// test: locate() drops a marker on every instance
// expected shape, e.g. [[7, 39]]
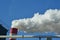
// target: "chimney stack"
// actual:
[[13, 31]]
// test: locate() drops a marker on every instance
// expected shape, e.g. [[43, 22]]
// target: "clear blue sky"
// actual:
[[17, 9]]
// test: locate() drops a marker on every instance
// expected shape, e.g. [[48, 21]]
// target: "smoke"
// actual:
[[47, 22]]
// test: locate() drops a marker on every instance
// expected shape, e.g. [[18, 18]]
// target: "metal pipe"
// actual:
[[27, 36]]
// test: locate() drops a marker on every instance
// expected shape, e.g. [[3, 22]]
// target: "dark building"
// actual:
[[3, 31]]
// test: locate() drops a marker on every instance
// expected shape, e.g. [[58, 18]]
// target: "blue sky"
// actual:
[[17, 9]]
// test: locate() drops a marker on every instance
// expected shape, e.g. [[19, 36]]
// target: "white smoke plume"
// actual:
[[47, 22]]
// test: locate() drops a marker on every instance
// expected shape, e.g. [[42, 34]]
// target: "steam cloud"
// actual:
[[47, 22]]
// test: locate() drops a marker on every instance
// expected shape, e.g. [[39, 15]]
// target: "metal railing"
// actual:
[[30, 36]]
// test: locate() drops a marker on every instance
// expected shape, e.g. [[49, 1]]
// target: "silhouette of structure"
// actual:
[[49, 38], [3, 31]]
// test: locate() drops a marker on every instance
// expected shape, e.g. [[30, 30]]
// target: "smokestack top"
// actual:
[[13, 30]]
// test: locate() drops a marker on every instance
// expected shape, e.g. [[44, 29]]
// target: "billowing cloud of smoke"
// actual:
[[47, 22]]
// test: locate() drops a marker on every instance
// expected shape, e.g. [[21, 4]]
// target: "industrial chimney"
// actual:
[[13, 31]]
